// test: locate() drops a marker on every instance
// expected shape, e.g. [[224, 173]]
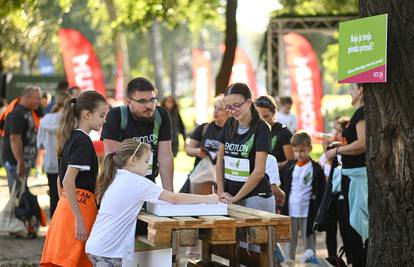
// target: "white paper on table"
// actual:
[[162, 208]]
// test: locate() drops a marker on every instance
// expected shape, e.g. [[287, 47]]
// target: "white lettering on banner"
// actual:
[[83, 72], [201, 94], [305, 91], [239, 74]]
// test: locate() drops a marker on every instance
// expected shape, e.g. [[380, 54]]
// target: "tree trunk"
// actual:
[[173, 66], [120, 43], [223, 77], [389, 114], [156, 55]]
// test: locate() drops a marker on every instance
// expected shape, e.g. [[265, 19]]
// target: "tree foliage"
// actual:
[[318, 7], [26, 28], [329, 58]]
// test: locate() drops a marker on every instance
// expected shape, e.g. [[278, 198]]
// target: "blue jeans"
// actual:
[[12, 177]]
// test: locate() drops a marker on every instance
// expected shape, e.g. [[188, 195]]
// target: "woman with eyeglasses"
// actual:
[[281, 147], [245, 143]]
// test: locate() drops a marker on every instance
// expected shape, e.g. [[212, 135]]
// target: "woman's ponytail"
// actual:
[[68, 123]]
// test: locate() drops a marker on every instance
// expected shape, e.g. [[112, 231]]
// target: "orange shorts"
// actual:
[[61, 248]]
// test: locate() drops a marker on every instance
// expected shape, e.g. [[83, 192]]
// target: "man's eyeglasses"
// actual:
[[150, 101], [235, 107]]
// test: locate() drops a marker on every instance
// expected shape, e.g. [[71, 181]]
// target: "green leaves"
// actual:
[[317, 7]]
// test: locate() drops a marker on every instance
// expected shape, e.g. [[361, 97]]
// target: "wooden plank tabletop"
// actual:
[[238, 216]]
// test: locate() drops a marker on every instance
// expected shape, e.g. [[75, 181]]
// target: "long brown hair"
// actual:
[[116, 160], [88, 100]]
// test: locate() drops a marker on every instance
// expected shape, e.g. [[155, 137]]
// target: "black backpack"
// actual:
[[28, 210]]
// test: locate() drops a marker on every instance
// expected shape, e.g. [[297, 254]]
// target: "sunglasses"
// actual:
[[235, 107], [264, 103], [142, 101]]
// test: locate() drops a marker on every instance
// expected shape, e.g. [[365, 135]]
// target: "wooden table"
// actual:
[[218, 234]]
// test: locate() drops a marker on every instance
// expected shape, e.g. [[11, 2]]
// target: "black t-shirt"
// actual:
[[280, 137], [79, 152], [350, 134], [236, 147], [140, 129], [20, 121], [209, 141]]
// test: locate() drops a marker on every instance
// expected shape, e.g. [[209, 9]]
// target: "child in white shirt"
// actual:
[[121, 192], [303, 182]]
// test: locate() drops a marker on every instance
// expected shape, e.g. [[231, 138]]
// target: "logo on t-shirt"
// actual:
[[148, 139], [236, 147], [307, 178], [213, 144]]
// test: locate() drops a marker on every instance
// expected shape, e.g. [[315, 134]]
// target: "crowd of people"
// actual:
[[250, 154]]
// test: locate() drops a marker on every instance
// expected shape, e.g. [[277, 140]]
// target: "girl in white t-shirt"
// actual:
[[121, 192]]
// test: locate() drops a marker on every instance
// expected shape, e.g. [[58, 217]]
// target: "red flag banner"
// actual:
[[201, 66], [305, 82], [81, 64], [242, 70]]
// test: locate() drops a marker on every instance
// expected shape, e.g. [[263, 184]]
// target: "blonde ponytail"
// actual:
[[106, 176]]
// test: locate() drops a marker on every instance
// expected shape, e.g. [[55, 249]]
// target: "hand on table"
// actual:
[[226, 198]]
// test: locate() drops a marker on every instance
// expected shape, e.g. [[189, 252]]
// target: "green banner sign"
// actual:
[[18, 82], [363, 50]]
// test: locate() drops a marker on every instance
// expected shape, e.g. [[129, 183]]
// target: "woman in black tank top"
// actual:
[[354, 182]]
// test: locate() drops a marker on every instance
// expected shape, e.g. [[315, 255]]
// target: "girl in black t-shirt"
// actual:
[[245, 143], [78, 168], [355, 181], [204, 144]]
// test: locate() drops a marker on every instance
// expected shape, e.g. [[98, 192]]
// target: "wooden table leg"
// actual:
[[205, 252], [176, 248], [270, 242], [234, 260]]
